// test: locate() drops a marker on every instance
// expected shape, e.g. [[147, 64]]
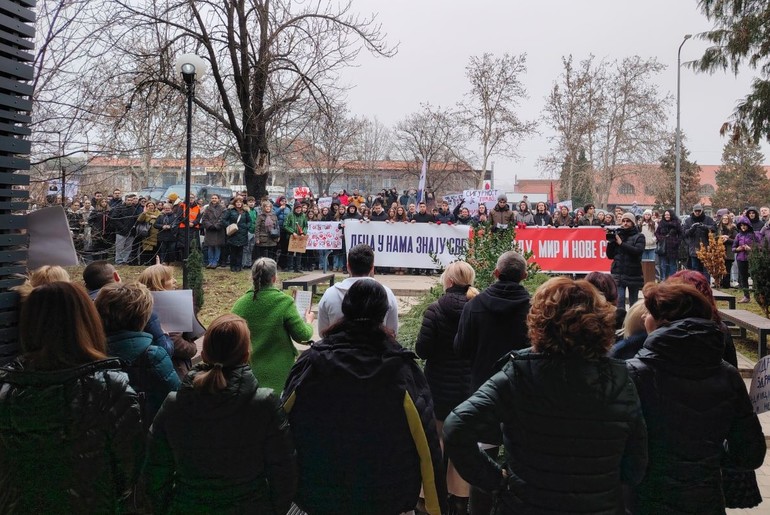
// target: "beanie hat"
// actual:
[[173, 197], [502, 197], [648, 212], [628, 215]]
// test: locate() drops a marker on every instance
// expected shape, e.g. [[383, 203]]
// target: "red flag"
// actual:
[[550, 197]]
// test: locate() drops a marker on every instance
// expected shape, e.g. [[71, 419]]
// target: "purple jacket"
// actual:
[[744, 238]]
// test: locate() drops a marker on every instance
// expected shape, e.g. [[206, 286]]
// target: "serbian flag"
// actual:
[[421, 186], [551, 200]]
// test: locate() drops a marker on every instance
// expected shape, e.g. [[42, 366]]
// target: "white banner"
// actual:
[[404, 245], [473, 198], [324, 235]]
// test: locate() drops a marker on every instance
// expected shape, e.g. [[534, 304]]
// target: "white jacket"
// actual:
[[330, 307]]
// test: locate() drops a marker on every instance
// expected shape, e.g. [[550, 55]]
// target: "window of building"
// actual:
[[626, 189]]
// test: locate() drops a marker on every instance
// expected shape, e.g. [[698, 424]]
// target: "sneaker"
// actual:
[[744, 300]]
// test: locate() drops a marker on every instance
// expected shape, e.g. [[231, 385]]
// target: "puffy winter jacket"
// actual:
[[71, 440], [670, 231], [362, 419], [693, 402], [696, 231], [492, 324], [230, 451], [448, 375], [626, 258], [573, 431]]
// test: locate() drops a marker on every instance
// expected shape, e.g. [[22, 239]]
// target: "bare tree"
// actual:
[[327, 144], [374, 143], [611, 111], [436, 135], [489, 107], [265, 55]]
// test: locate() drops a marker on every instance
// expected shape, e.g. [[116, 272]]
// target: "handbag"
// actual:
[[233, 228], [661, 248], [275, 232], [142, 230]]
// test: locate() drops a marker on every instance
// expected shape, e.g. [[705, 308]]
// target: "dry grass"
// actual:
[[222, 287]]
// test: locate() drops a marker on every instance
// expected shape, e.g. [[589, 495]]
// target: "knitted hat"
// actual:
[[628, 215], [173, 197], [502, 197], [648, 212]]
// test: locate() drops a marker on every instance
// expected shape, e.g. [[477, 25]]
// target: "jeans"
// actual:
[[339, 261], [697, 265], [667, 267], [213, 255], [323, 260], [248, 251], [648, 255], [633, 295], [123, 246]]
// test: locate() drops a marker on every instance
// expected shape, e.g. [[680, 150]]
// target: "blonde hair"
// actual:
[[634, 322], [46, 274], [460, 274], [124, 306], [155, 277], [226, 344]]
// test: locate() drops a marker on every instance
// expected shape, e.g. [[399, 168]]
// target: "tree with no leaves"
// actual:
[[489, 110], [264, 55]]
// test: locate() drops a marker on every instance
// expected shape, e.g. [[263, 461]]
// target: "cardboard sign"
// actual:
[[759, 393], [298, 244]]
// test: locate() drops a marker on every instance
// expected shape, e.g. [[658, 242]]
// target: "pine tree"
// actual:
[[741, 180], [580, 189], [664, 185]]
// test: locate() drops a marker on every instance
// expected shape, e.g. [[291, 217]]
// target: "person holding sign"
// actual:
[[699, 416], [295, 225]]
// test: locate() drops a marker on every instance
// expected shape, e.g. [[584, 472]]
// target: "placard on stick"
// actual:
[[759, 393]]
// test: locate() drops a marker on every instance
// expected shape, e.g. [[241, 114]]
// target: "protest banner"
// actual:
[[301, 192], [409, 245], [577, 250], [473, 199], [324, 235], [324, 202]]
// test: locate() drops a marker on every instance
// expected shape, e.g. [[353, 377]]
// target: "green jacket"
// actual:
[[292, 220], [274, 322]]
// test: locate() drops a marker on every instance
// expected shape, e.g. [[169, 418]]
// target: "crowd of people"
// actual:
[[525, 404]]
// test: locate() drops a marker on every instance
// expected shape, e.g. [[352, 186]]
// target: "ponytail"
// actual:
[[210, 380]]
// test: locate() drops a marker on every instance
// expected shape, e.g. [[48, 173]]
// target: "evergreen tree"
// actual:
[[664, 185], [576, 180], [741, 180]]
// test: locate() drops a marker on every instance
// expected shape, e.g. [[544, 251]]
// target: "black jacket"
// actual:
[[693, 401], [573, 431], [670, 231], [492, 324], [696, 231], [626, 258], [230, 452], [123, 217], [448, 375], [72, 440], [362, 419], [172, 221]]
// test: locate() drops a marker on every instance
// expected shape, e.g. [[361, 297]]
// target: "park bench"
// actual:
[[751, 321], [309, 280], [724, 297]]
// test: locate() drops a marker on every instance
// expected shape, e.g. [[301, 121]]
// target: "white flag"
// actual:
[[421, 187]]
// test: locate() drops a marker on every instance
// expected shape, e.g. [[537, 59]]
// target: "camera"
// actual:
[[610, 235]]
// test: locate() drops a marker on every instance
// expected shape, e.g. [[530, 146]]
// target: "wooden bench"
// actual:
[[311, 280], [724, 297], [751, 321]]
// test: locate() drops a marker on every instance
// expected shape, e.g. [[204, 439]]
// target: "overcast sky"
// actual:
[[436, 38]]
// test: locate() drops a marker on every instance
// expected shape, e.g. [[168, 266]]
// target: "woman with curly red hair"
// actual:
[[569, 415]]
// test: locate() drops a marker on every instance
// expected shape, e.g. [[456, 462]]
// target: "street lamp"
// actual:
[[191, 68], [678, 172]]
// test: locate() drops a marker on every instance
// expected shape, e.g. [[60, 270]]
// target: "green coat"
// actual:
[[292, 220], [273, 321]]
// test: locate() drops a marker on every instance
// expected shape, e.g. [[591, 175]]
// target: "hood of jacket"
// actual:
[[692, 347], [366, 356], [743, 220], [503, 297], [241, 385]]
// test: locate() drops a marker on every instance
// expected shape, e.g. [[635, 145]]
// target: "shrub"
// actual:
[[759, 270], [713, 258]]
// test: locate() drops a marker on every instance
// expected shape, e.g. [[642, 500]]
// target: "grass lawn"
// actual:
[[221, 287], [746, 346]]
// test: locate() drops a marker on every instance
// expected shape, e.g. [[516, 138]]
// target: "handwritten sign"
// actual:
[[473, 199], [324, 202], [759, 393], [301, 192], [324, 235]]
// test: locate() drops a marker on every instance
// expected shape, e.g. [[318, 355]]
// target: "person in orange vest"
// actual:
[[195, 223]]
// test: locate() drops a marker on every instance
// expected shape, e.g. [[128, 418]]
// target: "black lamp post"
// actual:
[[192, 68]]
